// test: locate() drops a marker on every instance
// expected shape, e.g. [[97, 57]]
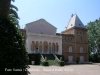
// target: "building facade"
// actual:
[[41, 37]]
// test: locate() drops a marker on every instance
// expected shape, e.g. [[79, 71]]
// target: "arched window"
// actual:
[[81, 49], [70, 48]]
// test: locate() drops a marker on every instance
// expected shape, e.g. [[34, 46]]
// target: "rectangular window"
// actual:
[[81, 39]]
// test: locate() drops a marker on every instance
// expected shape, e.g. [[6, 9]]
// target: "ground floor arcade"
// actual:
[[43, 43], [44, 47]]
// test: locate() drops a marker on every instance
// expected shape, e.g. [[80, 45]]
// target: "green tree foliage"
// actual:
[[94, 38], [13, 16], [13, 54]]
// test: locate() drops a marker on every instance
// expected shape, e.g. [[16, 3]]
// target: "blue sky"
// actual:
[[57, 12]]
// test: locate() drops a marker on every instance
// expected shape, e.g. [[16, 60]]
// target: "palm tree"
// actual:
[[5, 5], [13, 16], [13, 12]]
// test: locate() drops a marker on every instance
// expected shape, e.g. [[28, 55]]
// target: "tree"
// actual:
[[13, 16], [94, 37], [13, 54], [4, 7]]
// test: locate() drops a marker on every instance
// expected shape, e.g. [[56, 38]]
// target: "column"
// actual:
[[42, 47]]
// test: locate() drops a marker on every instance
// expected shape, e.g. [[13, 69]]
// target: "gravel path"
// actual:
[[85, 69]]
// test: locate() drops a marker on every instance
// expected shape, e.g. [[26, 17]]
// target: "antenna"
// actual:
[[72, 15]]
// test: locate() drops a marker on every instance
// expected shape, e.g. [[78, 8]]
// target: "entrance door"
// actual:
[[70, 59], [81, 59]]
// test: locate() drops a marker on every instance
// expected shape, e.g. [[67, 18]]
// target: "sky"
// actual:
[[57, 12]]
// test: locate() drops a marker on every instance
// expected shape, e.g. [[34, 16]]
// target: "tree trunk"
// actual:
[[4, 7]]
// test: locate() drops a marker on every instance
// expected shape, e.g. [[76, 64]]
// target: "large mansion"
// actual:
[[41, 37]]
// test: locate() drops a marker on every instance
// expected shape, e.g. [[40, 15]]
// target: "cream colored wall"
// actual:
[[43, 37]]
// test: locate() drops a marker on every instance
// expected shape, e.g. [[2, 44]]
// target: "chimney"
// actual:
[[72, 15]]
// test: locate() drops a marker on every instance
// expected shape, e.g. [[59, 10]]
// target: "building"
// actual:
[[41, 37]]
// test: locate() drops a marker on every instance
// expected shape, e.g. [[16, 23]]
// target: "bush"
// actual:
[[94, 58], [61, 63], [44, 63]]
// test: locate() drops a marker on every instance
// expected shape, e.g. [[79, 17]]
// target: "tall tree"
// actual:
[[94, 36], [94, 40], [13, 54]]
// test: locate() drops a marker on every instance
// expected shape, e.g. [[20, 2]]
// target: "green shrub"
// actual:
[[61, 63], [94, 58], [44, 63]]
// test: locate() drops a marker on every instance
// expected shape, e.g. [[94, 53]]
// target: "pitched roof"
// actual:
[[39, 22], [74, 22]]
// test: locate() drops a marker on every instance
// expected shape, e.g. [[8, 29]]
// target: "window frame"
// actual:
[[81, 49], [70, 49]]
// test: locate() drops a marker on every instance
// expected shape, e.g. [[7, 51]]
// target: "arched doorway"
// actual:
[[45, 47], [36, 47], [53, 47], [33, 46], [49, 47], [40, 47]]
